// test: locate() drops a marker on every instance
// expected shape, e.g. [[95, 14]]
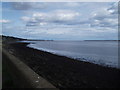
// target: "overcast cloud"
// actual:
[[61, 21]]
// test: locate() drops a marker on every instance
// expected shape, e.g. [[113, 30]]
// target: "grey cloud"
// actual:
[[114, 8], [27, 5], [108, 22], [56, 17], [106, 18], [21, 6], [32, 24]]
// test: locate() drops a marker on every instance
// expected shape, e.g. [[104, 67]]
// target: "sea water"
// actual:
[[104, 53]]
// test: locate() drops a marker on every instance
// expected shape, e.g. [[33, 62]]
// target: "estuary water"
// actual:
[[104, 53]]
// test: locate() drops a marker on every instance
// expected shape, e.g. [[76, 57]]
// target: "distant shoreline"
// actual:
[[16, 38], [101, 40]]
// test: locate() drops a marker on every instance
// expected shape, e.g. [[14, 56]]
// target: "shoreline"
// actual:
[[78, 59], [64, 72], [104, 66]]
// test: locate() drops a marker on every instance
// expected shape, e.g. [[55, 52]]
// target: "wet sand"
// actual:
[[64, 72]]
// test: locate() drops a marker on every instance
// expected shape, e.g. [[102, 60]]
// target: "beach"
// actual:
[[64, 72]]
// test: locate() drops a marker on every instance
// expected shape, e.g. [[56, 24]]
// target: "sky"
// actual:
[[60, 20]]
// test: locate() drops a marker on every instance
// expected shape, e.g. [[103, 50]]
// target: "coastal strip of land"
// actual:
[[64, 72]]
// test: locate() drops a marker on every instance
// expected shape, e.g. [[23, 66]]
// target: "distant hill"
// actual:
[[4, 38], [7, 39], [10, 38]]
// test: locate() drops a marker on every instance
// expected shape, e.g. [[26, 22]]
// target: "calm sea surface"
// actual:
[[99, 52]]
